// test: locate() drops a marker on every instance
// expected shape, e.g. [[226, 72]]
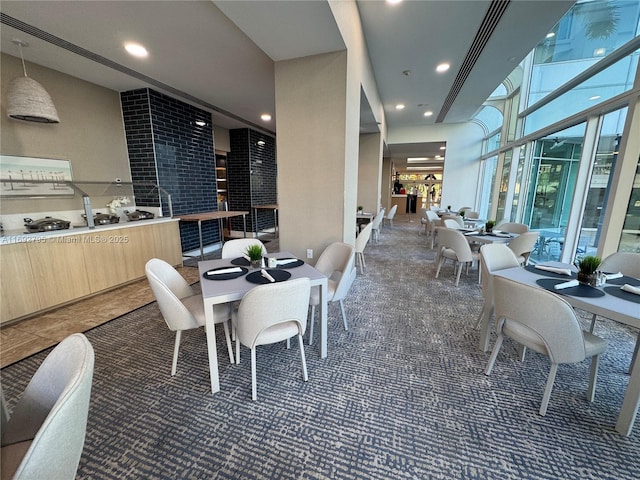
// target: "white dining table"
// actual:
[[609, 306], [224, 291]]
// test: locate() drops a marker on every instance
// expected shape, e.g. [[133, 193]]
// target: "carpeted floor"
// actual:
[[402, 395]]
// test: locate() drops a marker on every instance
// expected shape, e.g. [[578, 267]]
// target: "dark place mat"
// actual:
[[297, 263], [240, 261], [544, 273], [278, 275], [634, 282], [578, 291], [618, 292], [224, 276]]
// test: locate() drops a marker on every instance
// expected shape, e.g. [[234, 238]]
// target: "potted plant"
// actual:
[[587, 267], [360, 208], [461, 213], [488, 226], [448, 208], [254, 252]]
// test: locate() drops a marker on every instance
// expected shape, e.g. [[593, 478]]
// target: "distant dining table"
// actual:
[[498, 237], [270, 206], [219, 216], [609, 301], [221, 285]]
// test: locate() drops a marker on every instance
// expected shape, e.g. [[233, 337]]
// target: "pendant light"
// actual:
[[27, 99]]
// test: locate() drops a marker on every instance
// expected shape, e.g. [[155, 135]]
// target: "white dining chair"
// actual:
[[361, 242], [377, 224], [391, 214], [523, 245], [238, 246], [512, 227], [453, 245]]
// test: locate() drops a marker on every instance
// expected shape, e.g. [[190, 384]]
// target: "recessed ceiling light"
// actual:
[[136, 50], [443, 148], [201, 123], [599, 52], [443, 67], [428, 113], [417, 159], [393, 2], [425, 168], [266, 117], [595, 97], [261, 143], [551, 35], [400, 106]]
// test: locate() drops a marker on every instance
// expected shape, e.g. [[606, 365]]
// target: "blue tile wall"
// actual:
[[166, 147]]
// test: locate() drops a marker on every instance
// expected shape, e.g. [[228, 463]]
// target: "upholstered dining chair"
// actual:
[[237, 247], [390, 215], [451, 223], [454, 246], [523, 245], [544, 322], [434, 221], [361, 242], [513, 227], [182, 308], [44, 436], [377, 223], [457, 218], [337, 262], [269, 314]]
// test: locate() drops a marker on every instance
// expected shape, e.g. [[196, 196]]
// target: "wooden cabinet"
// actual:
[[19, 296]]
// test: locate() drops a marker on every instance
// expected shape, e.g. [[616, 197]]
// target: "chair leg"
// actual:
[[593, 323], [288, 343], [548, 388], [593, 378], [176, 348], [459, 272], [311, 322], [442, 259], [305, 376], [254, 384], [228, 338], [486, 310], [635, 353], [344, 317], [237, 351], [494, 354]]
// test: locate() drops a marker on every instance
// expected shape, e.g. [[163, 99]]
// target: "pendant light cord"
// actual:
[[24, 69]]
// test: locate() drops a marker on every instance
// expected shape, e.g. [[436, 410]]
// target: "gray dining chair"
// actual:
[[454, 246], [238, 246], [377, 224], [512, 227], [361, 242], [389, 217], [523, 245]]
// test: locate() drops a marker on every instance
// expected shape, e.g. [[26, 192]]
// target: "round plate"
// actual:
[[240, 261], [618, 292], [278, 275], [224, 276], [297, 263], [578, 291]]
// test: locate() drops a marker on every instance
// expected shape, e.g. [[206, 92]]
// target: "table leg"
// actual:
[[323, 319], [210, 330], [254, 217], [200, 237], [629, 409], [275, 222], [244, 224], [221, 231]]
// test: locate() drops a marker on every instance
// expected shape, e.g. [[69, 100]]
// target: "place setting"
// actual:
[[266, 276], [225, 273]]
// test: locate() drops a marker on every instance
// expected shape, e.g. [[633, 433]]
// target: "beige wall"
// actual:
[[369, 172], [90, 133]]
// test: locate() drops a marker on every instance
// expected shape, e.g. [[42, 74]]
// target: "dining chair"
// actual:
[[269, 314], [523, 244], [390, 215], [451, 223], [434, 221], [361, 242], [182, 308], [238, 246], [44, 435], [546, 323], [454, 246], [472, 215], [377, 223], [337, 262], [512, 227], [457, 218]]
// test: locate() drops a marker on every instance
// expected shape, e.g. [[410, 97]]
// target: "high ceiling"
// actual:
[[220, 55]]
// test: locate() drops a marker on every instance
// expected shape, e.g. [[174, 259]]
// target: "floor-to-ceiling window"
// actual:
[[630, 238]]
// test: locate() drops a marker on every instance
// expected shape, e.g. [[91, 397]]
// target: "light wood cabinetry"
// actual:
[[48, 271]]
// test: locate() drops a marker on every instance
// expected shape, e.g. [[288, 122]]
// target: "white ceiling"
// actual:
[[207, 53]]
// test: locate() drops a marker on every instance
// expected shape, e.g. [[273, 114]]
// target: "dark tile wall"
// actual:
[[168, 148], [251, 176]]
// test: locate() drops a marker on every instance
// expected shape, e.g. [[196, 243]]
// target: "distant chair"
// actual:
[[472, 215], [269, 314], [237, 247], [361, 242], [457, 218], [544, 322], [454, 246], [513, 227], [424, 221], [390, 215], [182, 308], [523, 245], [377, 223], [45, 434]]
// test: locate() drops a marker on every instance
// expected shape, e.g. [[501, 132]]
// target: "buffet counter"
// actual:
[[41, 271]]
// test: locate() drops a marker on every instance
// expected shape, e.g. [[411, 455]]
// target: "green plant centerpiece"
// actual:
[[587, 267], [461, 213], [360, 208], [254, 252], [488, 226], [448, 208]]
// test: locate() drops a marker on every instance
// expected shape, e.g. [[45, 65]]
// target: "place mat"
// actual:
[[634, 282], [618, 292], [278, 275], [240, 261], [545, 273], [224, 276], [297, 263], [578, 291]]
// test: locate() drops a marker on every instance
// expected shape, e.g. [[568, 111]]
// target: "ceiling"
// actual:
[[206, 52]]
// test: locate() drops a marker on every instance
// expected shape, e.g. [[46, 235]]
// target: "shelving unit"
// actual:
[[221, 179]]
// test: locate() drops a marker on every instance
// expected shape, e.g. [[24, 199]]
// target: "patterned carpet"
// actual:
[[402, 394]]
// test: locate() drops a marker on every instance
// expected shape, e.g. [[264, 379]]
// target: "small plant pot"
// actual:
[[587, 278], [256, 263]]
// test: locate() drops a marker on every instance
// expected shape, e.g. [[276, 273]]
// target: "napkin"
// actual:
[[561, 271], [631, 289], [611, 276], [570, 283], [286, 261], [502, 234], [224, 270], [471, 233], [266, 275], [246, 257]]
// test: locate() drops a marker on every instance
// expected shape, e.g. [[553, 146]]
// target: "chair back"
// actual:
[[538, 319], [238, 246], [51, 415], [457, 218], [472, 215], [363, 237], [452, 239], [338, 263], [378, 219], [169, 287], [513, 227], [494, 257], [432, 216], [451, 223], [627, 263], [392, 212], [275, 304], [523, 244]]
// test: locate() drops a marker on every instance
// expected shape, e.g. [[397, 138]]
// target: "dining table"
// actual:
[[231, 287], [608, 300], [216, 215]]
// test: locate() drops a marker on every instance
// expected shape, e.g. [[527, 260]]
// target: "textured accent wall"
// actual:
[[252, 176], [168, 148]]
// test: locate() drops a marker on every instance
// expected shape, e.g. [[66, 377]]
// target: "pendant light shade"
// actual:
[[27, 99]]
